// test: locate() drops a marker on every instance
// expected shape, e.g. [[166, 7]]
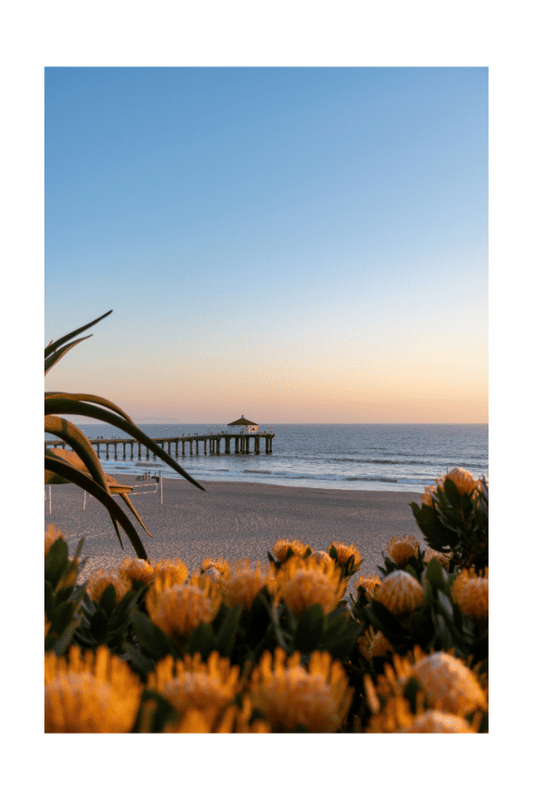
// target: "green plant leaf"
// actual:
[[151, 637], [309, 629], [52, 347], [85, 482], [435, 574], [99, 625], [72, 435], [202, 640], [64, 405]]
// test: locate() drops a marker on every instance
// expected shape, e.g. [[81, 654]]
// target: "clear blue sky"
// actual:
[[294, 244]]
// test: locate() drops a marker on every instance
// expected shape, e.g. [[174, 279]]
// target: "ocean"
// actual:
[[399, 458]]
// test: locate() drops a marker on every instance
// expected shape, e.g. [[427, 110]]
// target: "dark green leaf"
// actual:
[[309, 629]]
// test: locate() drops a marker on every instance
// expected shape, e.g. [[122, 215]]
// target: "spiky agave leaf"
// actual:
[[63, 403], [72, 435], [84, 481], [86, 471], [52, 354]]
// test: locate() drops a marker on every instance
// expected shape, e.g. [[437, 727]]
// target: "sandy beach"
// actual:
[[232, 520]]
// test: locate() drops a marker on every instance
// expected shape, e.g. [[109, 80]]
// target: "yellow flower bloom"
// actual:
[[302, 583], [471, 593], [428, 498], [367, 584], [396, 717], [235, 719], [373, 645], [281, 548], [220, 564], [244, 581], [178, 608], [208, 687], [136, 569], [447, 683], [345, 552], [402, 548], [437, 722], [288, 694], [463, 479], [91, 693], [400, 593], [101, 578], [442, 558], [171, 571], [318, 556]]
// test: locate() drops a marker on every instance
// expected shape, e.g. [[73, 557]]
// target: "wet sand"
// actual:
[[232, 520]]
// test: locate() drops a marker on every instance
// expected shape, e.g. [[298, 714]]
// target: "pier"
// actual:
[[213, 444]]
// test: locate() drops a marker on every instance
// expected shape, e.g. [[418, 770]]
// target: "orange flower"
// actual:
[[92, 693], [302, 583], [178, 608], [207, 687], [288, 694], [281, 548], [402, 548], [101, 578], [171, 571], [367, 584], [471, 593], [136, 569], [400, 593], [345, 552], [244, 581], [220, 564], [463, 479]]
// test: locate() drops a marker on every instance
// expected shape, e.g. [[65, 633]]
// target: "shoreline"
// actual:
[[232, 520]]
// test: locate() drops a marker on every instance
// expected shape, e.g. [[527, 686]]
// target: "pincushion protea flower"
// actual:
[[396, 717], [208, 687], [136, 570], [402, 548], [171, 571], [281, 548], [92, 693], [463, 479], [235, 719], [373, 645], [178, 608], [437, 722], [345, 551], [244, 581], [400, 593], [288, 694], [101, 578], [367, 584], [443, 558], [471, 593], [446, 683], [302, 583], [220, 564], [318, 556]]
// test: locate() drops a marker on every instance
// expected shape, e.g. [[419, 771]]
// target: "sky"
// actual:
[[292, 244]]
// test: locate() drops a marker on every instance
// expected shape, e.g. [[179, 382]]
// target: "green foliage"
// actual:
[[91, 477], [456, 524]]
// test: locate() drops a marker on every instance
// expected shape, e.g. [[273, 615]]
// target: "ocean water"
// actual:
[[400, 458]]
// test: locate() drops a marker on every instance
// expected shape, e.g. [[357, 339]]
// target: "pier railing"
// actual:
[[213, 444]]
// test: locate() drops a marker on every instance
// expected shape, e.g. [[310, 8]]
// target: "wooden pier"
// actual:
[[244, 443]]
